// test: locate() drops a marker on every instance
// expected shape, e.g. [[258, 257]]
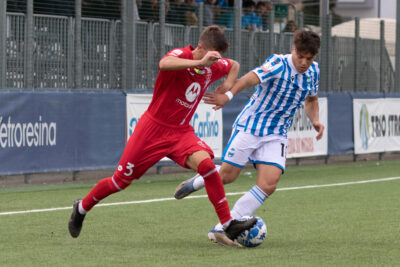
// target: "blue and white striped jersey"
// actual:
[[281, 92]]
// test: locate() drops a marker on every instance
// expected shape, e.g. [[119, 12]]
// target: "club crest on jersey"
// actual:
[[199, 71], [192, 91], [292, 78]]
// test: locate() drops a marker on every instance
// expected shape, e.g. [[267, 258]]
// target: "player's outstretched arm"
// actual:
[[220, 100], [312, 111], [230, 78]]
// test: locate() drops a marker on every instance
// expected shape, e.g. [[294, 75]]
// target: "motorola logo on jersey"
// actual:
[[192, 91]]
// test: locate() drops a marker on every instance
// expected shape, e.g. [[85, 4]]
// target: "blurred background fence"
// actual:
[[116, 44]]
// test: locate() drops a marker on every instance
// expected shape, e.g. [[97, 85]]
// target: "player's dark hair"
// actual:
[[307, 41], [213, 38]]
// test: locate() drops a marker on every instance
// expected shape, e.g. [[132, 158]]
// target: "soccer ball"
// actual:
[[254, 236]]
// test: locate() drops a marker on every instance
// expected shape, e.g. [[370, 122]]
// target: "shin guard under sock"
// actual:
[[101, 190], [215, 189]]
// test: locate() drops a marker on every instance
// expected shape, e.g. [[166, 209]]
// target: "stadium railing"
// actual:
[[353, 64]]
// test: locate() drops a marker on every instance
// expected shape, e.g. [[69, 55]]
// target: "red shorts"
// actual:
[[153, 140]]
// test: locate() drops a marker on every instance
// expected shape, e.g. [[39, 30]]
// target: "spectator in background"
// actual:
[[149, 10], [226, 17], [249, 15], [269, 7], [209, 10], [190, 13], [176, 13], [223, 4], [261, 9], [290, 26]]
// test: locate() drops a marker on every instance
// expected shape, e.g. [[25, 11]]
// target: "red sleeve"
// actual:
[[221, 68], [177, 52]]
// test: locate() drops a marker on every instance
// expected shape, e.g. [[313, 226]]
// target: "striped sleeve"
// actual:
[[315, 79], [271, 68]]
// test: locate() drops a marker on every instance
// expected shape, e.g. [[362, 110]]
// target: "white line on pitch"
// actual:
[[203, 196]]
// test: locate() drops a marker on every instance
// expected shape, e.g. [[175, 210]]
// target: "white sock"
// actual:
[[81, 209], [219, 227], [198, 182], [225, 225], [248, 203]]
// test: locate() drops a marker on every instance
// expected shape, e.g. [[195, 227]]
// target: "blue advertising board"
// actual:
[[45, 131]]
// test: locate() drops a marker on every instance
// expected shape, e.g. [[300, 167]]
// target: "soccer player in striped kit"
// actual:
[[164, 129], [259, 133]]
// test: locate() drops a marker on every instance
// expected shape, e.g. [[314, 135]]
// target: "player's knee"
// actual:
[[267, 187], [121, 183], [227, 178], [205, 166], [228, 175]]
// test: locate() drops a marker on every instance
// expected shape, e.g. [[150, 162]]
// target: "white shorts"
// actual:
[[243, 147]]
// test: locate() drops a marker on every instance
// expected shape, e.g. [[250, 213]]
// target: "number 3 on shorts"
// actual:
[[129, 167]]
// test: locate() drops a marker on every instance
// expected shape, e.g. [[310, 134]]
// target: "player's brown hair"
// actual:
[[213, 38], [307, 41]]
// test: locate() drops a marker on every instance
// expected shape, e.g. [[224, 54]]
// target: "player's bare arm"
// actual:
[[230, 78], [220, 100], [176, 63], [312, 111]]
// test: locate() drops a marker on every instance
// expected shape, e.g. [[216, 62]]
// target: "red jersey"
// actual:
[[177, 93]]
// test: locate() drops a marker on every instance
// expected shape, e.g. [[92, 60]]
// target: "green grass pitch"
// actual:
[[348, 225]]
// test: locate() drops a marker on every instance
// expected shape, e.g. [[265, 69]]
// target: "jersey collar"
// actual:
[[190, 48], [290, 60]]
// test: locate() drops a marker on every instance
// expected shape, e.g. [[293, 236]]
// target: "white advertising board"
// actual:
[[376, 124], [301, 136], [207, 123]]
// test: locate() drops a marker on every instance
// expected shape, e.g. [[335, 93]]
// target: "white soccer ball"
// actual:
[[254, 236]]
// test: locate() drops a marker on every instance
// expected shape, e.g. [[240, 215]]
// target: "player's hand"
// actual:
[[223, 88], [219, 100], [210, 58], [319, 127]]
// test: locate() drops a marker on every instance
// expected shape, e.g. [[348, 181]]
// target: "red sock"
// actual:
[[102, 189], [215, 189]]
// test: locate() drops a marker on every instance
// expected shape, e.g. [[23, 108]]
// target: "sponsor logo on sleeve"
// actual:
[[267, 67], [175, 52], [223, 61]]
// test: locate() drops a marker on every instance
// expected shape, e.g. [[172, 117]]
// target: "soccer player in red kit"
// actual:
[[164, 129]]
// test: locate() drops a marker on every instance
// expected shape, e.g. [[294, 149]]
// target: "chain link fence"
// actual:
[[122, 50]]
